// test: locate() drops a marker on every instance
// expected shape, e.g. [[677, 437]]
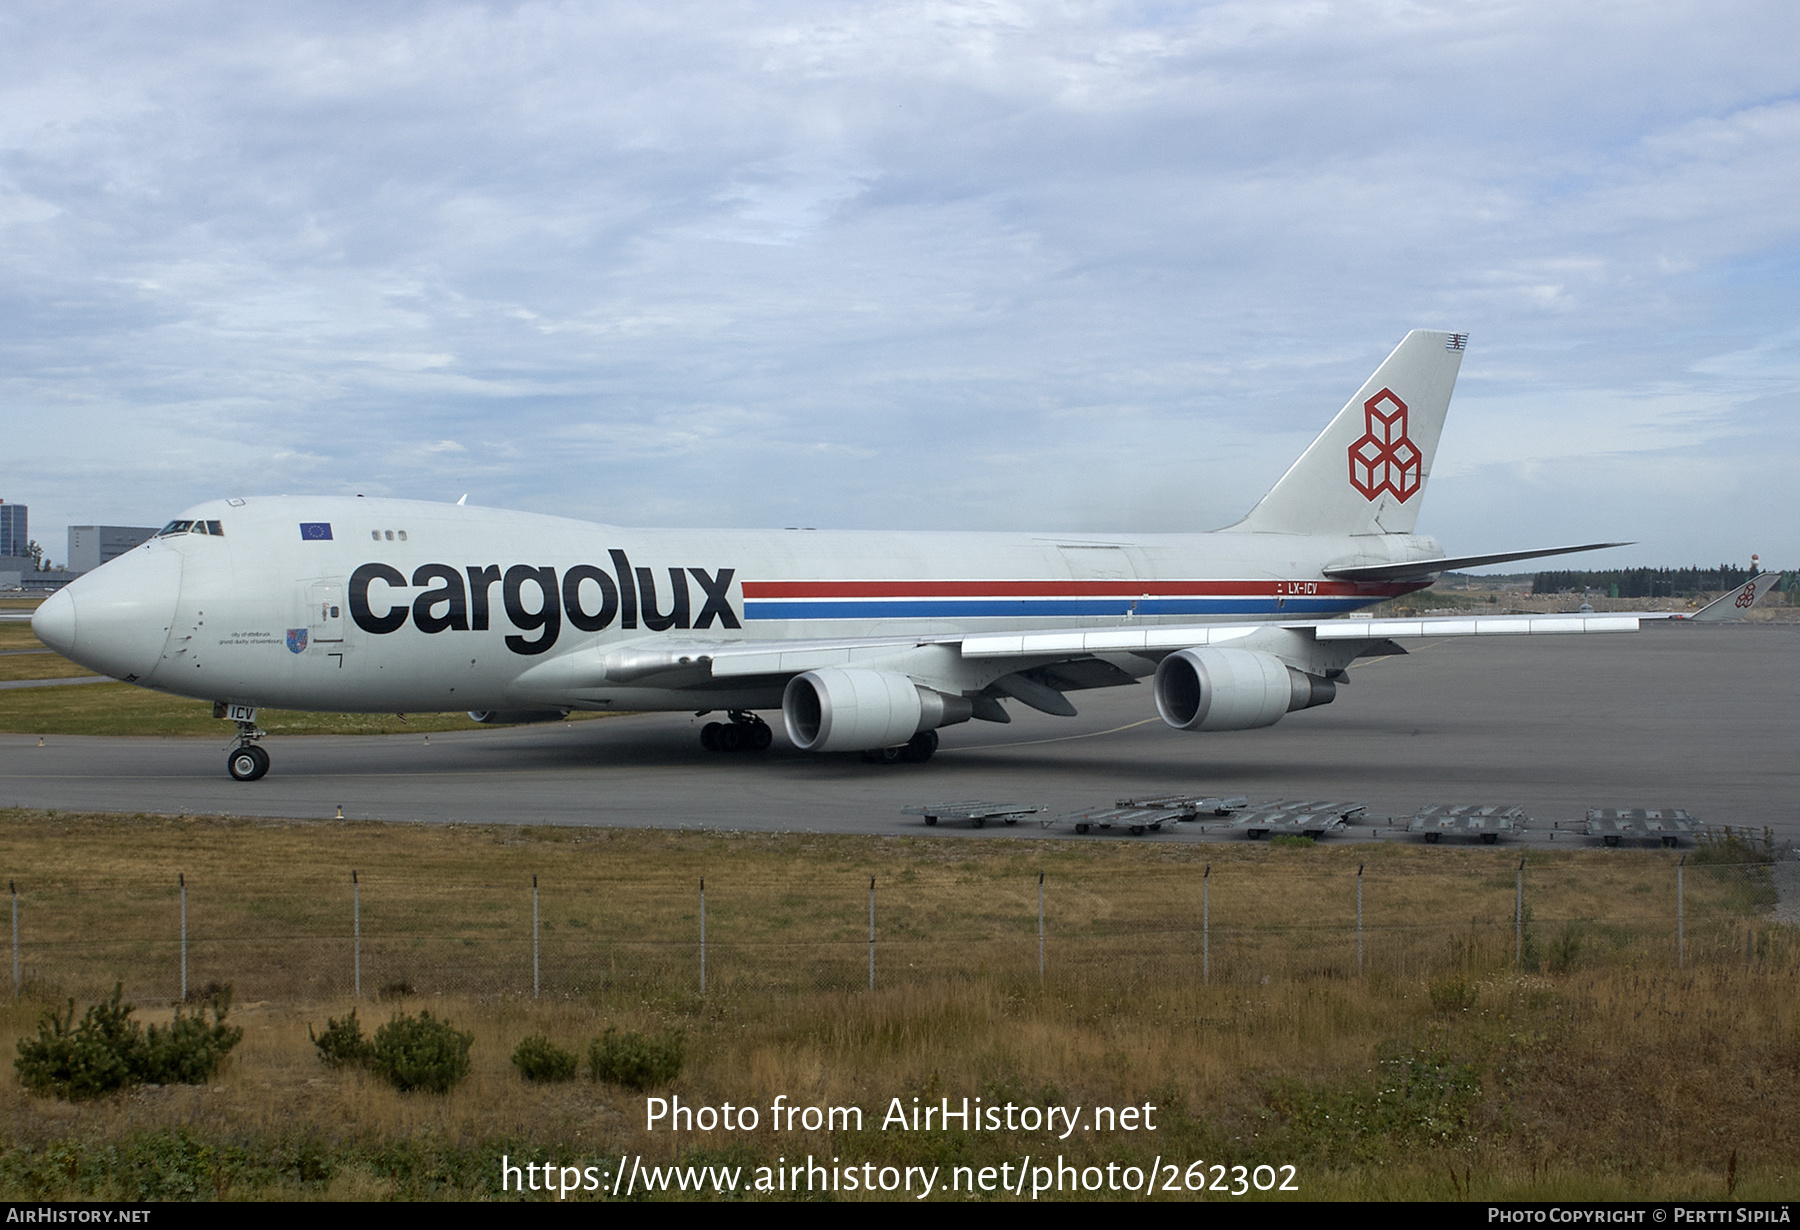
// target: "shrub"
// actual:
[[539, 1059], [420, 1052], [108, 1051], [1453, 994], [189, 1050], [634, 1060], [342, 1045]]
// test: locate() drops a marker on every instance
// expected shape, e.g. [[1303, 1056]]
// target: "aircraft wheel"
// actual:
[[930, 821], [760, 737], [1081, 828], [1012, 819], [709, 736], [920, 747], [883, 755], [980, 822], [247, 763], [730, 737], [1432, 837], [1488, 839]]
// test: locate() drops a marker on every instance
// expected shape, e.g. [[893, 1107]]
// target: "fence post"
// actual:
[[356, 930], [1680, 919], [13, 886], [703, 935], [1040, 928], [1206, 926], [1359, 931], [534, 937], [1519, 920], [181, 879], [871, 933]]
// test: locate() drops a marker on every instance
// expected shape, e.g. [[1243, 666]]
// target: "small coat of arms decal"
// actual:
[[296, 640]]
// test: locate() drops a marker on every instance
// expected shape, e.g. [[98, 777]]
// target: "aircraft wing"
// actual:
[[1422, 569], [698, 664]]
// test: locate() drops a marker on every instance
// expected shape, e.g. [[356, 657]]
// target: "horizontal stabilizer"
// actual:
[[1423, 569]]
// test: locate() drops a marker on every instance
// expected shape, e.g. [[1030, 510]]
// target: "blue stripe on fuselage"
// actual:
[[1018, 608]]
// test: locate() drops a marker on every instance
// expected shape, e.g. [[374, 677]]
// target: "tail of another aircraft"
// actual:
[[1366, 472]]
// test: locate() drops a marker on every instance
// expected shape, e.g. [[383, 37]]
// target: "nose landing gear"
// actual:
[[247, 761]]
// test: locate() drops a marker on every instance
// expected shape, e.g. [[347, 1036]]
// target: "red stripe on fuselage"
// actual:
[[1122, 587]]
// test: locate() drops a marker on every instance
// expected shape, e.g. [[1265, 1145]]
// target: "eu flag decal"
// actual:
[[315, 531]]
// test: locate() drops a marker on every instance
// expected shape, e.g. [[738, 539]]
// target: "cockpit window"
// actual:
[[213, 528]]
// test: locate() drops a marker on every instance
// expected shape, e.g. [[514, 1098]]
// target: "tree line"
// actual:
[[1645, 582]]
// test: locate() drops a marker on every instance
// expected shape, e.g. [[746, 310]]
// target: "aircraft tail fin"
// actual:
[[1366, 473], [1735, 603]]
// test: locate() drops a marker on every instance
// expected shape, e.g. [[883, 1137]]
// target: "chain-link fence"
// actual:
[[322, 936]]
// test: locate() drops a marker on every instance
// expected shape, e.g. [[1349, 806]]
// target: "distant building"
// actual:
[[15, 528], [21, 572], [92, 545]]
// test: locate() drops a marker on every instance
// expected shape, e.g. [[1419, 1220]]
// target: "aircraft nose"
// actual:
[[115, 620], [54, 622]]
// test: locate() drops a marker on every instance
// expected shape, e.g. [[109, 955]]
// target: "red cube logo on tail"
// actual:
[[1384, 459]]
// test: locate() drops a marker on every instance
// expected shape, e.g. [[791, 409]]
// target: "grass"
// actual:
[[124, 709], [1442, 1072]]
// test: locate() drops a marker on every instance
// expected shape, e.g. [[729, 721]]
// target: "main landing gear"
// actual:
[[745, 732], [247, 761], [916, 750]]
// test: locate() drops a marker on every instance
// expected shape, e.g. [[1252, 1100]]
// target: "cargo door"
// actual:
[[325, 621]]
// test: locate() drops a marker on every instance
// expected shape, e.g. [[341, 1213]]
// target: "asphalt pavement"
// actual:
[[1691, 716]]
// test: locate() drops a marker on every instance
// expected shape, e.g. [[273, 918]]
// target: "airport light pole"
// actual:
[[534, 938], [1680, 920], [871, 933], [1040, 928], [13, 886], [703, 935]]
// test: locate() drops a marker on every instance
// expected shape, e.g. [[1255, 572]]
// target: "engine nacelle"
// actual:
[[834, 709], [516, 717], [1233, 689]]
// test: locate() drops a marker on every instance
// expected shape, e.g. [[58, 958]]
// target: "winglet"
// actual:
[[1736, 603]]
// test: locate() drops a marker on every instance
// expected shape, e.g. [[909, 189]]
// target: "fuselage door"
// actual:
[[326, 604]]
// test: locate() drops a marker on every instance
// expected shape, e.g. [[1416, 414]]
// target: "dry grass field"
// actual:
[[1599, 1068]]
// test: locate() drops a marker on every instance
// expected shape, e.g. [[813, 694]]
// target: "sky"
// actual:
[[925, 265]]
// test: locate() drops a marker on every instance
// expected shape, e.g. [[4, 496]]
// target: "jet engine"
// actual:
[[834, 709], [1233, 689]]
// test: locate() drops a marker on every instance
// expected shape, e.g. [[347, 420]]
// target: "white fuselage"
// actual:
[[348, 604]]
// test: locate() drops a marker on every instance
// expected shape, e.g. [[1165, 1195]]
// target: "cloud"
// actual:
[[940, 265]]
